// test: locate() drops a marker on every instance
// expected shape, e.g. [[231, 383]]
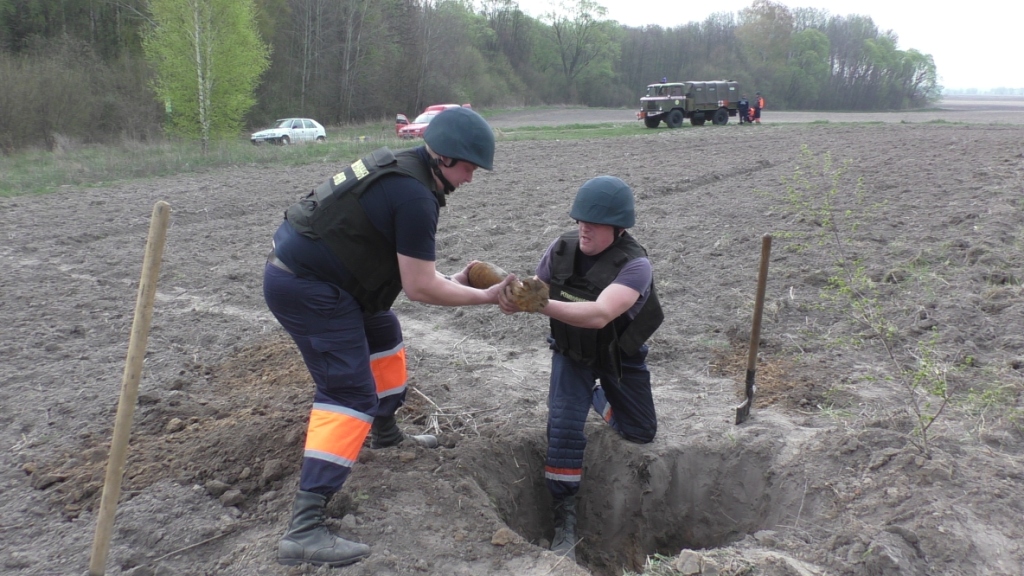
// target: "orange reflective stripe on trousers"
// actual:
[[389, 371], [336, 434]]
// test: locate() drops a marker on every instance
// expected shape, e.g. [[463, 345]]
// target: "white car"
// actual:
[[290, 130]]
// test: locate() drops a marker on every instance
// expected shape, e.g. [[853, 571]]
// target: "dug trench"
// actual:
[[640, 501]]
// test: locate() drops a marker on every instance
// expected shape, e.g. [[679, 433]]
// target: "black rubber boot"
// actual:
[[564, 542], [385, 433], [309, 541]]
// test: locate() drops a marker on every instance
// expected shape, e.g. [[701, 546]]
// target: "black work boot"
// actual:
[[385, 433], [564, 542], [309, 541]]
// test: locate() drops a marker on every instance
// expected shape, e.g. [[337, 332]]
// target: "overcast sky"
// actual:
[[974, 46]]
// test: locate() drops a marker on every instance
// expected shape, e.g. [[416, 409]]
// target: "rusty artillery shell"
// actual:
[[484, 275]]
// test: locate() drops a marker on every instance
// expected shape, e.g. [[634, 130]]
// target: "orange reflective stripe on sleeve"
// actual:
[[336, 434], [389, 371]]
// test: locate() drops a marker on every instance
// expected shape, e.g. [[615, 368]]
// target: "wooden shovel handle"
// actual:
[[762, 281], [743, 410]]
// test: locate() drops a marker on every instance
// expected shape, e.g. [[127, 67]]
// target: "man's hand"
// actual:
[[495, 292], [462, 276], [530, 295]]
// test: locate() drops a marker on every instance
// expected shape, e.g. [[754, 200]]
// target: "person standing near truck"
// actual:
[[743, 109], [758, 106]]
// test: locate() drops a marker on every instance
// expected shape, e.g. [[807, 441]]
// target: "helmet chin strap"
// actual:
[[435, 167]]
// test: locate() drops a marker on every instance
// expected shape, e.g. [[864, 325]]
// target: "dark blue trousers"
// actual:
[[336, 340], [625, 403]]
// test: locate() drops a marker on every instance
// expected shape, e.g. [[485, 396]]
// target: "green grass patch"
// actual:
[[40, 171]]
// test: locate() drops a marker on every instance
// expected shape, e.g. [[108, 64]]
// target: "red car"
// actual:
[[407, 131]]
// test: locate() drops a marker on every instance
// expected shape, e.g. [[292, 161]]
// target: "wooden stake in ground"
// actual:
[[130, 386], [743, 410]]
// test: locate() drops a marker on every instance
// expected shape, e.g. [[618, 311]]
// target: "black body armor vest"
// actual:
[[332, 213], [602, 347]]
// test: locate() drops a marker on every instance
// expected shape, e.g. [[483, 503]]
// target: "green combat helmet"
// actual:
[[604, 200], [462, 134]]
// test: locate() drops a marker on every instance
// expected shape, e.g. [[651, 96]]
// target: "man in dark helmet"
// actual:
[[603, 308], [339, 260], [743, 109]]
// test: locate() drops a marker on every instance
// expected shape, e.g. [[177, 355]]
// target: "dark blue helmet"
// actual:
[[604, 200], [462, 134]]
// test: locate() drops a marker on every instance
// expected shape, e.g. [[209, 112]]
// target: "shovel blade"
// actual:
[[743, 411]]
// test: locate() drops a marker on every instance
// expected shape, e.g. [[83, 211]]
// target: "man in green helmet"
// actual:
[[339, 260], [603, 308]]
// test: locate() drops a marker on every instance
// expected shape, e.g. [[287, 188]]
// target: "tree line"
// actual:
[[89, 70]]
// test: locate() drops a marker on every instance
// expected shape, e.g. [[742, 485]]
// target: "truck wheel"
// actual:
[[675, 119], [651, 122], [721, 117], [697, 119]]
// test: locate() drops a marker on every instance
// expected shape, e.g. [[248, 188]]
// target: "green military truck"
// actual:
[[674, 102]]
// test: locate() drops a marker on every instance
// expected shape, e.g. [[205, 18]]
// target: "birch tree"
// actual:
[[208, 58]]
